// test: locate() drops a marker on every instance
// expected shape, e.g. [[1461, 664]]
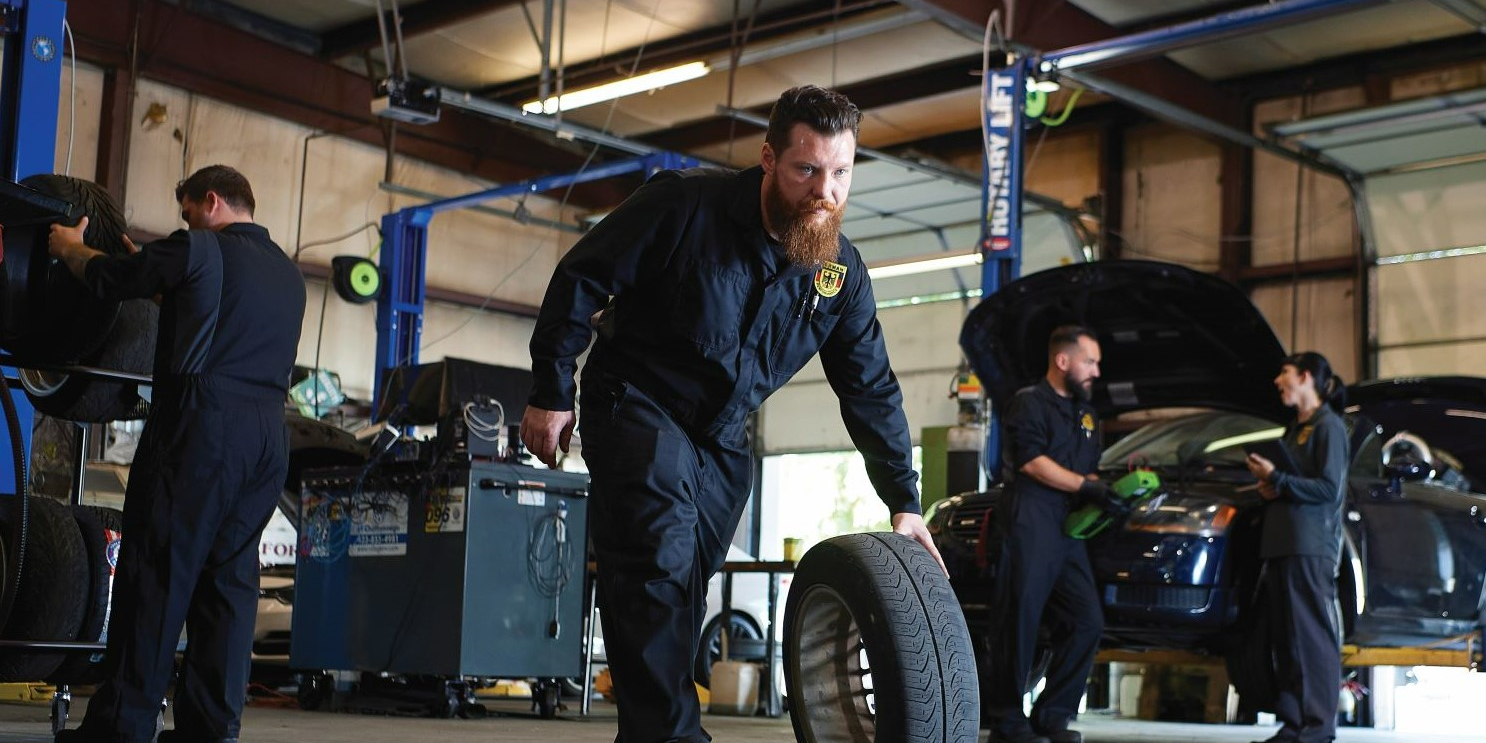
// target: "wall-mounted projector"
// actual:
[[412, 101]]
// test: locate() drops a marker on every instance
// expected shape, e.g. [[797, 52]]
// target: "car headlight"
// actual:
[[1181, 516]]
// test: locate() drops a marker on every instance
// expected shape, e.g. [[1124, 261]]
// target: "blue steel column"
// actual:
[[405, 252], [1005, 95], [30, 88], [400, 306]]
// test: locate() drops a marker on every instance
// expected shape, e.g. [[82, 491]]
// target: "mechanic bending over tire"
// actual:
[[211, 461], [1052, 456], [723, 286], [1300, 544]]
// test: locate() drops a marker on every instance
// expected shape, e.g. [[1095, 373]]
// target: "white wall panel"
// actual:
[[1326, 218], [1431, 300], [1429, 209], [1172, 197], [1467, 358], [1326, 319], [78, 115], [923, 343], [470, 252]]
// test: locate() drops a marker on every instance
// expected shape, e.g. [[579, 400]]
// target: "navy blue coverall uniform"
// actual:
[[707, 319], [1300, 544], [1042, 570], [208, 472]]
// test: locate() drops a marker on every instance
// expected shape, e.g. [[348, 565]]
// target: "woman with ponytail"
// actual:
[[1300, 545]]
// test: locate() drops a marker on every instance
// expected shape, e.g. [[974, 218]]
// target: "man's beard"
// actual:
[[807, 242], [1077, 388]]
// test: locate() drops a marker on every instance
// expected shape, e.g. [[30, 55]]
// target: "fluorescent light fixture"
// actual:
[[618, 89], [923, 264]]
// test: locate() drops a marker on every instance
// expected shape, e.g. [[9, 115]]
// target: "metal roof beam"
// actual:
[[426, 17]]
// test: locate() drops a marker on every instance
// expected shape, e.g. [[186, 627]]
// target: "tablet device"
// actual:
[[1275, 451]]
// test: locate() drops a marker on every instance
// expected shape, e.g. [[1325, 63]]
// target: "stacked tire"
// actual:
[[47, 316], [63, 589]]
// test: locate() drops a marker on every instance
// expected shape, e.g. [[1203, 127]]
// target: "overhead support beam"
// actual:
[[188, 51], [936, 79], [1157, 42], [422, 18], [1064, 26], [699, 45]]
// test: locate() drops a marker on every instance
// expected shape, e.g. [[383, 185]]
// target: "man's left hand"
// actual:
[[912, 525], [64, 240]]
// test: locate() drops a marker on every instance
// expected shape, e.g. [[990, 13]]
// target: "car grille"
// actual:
[[1162, 597], [965, 522]]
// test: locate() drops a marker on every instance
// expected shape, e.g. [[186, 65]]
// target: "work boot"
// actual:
[[1025, 735], [1062, 735]]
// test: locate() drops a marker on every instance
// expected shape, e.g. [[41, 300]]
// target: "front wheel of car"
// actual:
[[876, 647]]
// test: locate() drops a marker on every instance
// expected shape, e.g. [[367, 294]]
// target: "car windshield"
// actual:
[[1215, 438]]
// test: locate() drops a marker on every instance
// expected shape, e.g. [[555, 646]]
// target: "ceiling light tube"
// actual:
[[619, 88], [922, 264]]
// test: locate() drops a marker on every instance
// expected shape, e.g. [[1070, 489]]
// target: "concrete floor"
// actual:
[[512, 723]]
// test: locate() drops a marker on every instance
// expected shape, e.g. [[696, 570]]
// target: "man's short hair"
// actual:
[[229, 184], [825, 111], [1065, 337]]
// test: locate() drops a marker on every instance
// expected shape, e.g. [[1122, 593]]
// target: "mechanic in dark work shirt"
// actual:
[[1301, 545], [723, 286], [1052, 452], [211, 462]]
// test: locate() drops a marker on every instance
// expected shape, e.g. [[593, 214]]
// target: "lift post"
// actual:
[[1005, 123], [404, 254], [30, 90]]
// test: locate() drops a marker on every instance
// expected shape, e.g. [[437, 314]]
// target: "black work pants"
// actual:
[[203, 485], [1307, 645], [1043, 577], [662, 512]]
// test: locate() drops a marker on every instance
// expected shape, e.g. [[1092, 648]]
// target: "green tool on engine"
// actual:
[[1091, 519]]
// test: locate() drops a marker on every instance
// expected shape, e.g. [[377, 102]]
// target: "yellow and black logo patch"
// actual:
[[1304, 435], [1087, 423], [829, 279]]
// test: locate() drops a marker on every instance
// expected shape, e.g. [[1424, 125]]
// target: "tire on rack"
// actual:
[[129, 348], [49, 603], [48, 315], [102, 531], [878, 607]]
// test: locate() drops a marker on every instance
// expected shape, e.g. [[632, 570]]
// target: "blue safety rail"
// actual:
[[404, 254]]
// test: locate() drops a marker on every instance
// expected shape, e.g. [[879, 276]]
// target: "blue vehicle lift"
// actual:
[[404, 254], [1005, 125], [30, 90]]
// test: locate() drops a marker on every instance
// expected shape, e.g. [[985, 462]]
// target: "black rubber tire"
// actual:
[[129, 348], [50, 601], [878, 605], [709, 650], [102, 530], [48, 314]]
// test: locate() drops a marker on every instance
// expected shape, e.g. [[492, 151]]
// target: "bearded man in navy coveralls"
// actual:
[[211, 462], [1052, 453], [713, 288]]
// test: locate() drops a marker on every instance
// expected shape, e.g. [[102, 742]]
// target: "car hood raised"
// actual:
[[1169, 336]]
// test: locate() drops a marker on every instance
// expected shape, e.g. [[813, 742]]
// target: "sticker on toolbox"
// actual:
[[525, 497], [379, 524], [445, 511]]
